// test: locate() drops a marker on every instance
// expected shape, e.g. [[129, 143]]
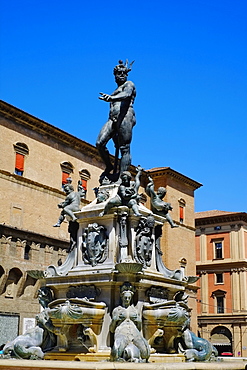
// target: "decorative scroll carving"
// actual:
[[82, 291]]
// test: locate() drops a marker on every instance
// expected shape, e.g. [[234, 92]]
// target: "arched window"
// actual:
[[21, 150], [67, 168], [85, 176], [182, 204]]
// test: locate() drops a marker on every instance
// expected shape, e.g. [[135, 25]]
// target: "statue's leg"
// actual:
[[169, 219], [124, 139], [143, 346], [120, 344], [114, 202], [133, 204], [69, 212], [60, 220], [125, 157], [105, 135]]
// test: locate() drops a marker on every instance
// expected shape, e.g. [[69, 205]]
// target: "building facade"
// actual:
[[35, 162], [221, 259]]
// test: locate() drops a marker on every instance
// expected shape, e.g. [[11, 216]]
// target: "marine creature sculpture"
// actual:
[[195, 348], [158, 206], [129, 344], [35, 341]]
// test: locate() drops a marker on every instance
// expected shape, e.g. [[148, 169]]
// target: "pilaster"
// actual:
[[241, 243], [237, 345], [203, 247], [204, 291], [235, 289], [243, 288], [234, 250]]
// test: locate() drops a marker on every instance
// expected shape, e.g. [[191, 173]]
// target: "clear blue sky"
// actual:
[[190, 72]]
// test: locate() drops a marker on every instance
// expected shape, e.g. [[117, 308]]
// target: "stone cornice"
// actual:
[[167, 171], [234, 318], [46, 129], [28, 121], [219, 219], [220, 266], [31, 236], [33, 184]]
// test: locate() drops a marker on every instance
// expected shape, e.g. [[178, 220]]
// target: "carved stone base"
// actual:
[[73, 356]]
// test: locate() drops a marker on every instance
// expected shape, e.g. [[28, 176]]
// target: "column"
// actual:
[[48, 255], [35, 252], [20, 249]]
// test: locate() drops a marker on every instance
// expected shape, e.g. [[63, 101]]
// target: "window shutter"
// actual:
[[181, 213], [84, 184], [65, 175], [19, 162]]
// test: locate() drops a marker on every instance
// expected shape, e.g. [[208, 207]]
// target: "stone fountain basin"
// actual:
[[168, 313], [76, 311]]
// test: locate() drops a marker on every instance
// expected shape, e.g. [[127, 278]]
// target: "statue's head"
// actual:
[[121, 72], [68, 188], [125, 176], [161, 192], [150, 221], [102, 195], [126, 294]]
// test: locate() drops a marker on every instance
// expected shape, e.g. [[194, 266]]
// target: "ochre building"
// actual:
[[221, 262]]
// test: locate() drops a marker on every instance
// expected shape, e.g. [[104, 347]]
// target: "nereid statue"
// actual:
[[129, 344], [120, 122]]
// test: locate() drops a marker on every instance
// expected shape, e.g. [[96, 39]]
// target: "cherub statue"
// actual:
[[127, 194], [71, 203], [158, 206]]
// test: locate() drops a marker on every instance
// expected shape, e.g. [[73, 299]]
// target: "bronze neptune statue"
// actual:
[[120, 122]]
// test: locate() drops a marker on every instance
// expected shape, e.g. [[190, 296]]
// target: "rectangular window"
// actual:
[[220, 304], [219, 278], [19, 164], [218, 250]]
